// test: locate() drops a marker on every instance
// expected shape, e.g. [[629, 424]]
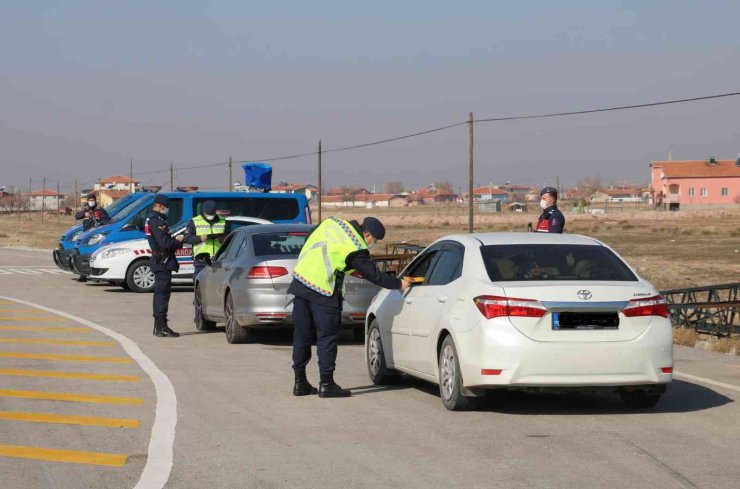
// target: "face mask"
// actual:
[[543, 204], [209, 217], [91, 204], [165, 211]]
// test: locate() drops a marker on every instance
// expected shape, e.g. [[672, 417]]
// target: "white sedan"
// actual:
[[126, 263], [526, 311]]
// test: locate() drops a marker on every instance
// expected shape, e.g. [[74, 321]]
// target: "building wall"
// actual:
[[713, 189], [37, 202]]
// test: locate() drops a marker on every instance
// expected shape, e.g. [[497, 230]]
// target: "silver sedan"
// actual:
[[246, 285]]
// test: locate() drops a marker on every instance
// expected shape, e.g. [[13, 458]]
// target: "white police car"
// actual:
[[126, 263]]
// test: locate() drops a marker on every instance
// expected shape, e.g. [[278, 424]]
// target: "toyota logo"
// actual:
[[584, 294]]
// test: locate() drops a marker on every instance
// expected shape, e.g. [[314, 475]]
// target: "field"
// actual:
[[671, 249]]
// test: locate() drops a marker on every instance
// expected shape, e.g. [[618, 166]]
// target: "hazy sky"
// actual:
[[86, 85]]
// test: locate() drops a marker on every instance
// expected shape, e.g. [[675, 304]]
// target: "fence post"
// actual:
[[231, 182], [470, 172]]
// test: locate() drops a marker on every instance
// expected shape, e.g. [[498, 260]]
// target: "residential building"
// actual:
[[490, 192], [310, 191], [695, 182], [117, 182], [106, 197], [44, 199]]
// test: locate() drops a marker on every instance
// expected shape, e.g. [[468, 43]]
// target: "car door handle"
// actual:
[[442, 299]]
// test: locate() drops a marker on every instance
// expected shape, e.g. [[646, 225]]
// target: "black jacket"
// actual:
[[163, 245], [93, 216], [359, 261], [551, 221]]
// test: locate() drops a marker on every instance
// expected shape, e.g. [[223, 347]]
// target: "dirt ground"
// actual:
[[671, 249]]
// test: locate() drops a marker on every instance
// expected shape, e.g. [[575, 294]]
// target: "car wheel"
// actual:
[[124, 286], [640, 399], [450, 379], [201, 323], [234, 332], [140, 277], [376, 367]]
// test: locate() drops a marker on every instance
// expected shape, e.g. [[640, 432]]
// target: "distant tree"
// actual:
[[447, 186], [393, 187]]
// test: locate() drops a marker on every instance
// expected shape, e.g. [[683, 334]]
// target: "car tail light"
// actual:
[[649, 306], [492, 306], [267, 272], [667, 370], [356, 274], [491, 371]]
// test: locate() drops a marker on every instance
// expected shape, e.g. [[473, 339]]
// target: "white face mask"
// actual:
[[543, 204], [210, 217], [91, 203], [165, 211]]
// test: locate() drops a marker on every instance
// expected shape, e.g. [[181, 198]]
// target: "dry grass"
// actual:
[[685, 336], [27, 230], [689, 337]]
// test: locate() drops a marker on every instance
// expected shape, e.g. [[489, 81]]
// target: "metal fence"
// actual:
[[713, 309]]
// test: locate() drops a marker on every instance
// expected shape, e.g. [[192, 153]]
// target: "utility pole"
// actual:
[[172, 177], [57, 201], [77, 197], [470, 172], [231, 182], [320, 190], [43, 199], [28, 197], [131, 176], [557, 184]]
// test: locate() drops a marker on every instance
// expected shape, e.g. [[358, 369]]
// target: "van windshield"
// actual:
[[271, 208], [129, 209], [114, 207], [528, 262]]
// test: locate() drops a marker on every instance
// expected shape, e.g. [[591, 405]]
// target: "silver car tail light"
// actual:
[[267, 272]]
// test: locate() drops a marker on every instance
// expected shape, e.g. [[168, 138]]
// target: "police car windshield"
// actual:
[[129, 209], [512, 263]]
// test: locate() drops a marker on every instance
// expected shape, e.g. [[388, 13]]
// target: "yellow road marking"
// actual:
[[33, 341], [63, 396], [69, 456], [32, 318], [69, 419], [65, 358], [23, 309], [67, 375], [56, 329]]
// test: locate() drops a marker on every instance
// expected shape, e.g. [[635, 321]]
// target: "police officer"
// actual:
[[551, 220], [205, 232], [163, 262], [93, 216], [334, 248]]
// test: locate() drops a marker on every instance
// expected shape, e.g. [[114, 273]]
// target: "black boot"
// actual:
[[162, 330], [329, 388], [302, 386]]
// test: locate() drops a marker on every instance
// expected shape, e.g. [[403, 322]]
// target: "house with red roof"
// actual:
[[695, 182], [44, 199], [490, 192], [306, 189]]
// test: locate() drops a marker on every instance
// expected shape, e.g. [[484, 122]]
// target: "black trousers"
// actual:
[[320, 323], [162, 291]]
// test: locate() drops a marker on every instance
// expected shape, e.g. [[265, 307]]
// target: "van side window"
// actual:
[[270, 208]]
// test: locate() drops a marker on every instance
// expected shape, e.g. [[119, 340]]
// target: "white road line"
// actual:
[[158, 466], [706, 381]]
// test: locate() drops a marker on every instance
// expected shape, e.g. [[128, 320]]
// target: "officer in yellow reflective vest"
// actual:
[[335, 247], [205, 232]]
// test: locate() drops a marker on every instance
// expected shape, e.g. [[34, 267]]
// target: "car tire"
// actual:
[[201, 323], [124, 286], [139, 277], [377, 369], [640, 399], [450, 379], [235, 333]]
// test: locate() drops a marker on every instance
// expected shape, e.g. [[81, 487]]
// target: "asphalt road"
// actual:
[[238, 426]]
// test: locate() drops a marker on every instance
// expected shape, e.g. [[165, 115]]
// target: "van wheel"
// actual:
[[376, 367], [234, 332], [450, 379], [201, 323], [140, 277]]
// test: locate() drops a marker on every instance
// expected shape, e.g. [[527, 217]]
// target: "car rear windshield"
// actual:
[[285, 243], [270, 208], [508, 263]]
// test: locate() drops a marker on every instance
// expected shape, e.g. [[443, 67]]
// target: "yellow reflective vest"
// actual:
[[325, 253], [205, 228]]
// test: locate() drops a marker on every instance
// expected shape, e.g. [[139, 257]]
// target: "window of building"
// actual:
[[704, 192], [725, 191], [691, 191]]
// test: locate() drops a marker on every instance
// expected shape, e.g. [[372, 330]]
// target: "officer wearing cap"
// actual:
[[334, 248], [92, 216], [551, 220], [163, 262], [205, 232]]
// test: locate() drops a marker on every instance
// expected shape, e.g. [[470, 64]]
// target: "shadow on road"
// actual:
[[682, 397], [372, 389], [121, 290]]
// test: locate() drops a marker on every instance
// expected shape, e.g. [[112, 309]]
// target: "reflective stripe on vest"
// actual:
[[204, 228], [325, 253]]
